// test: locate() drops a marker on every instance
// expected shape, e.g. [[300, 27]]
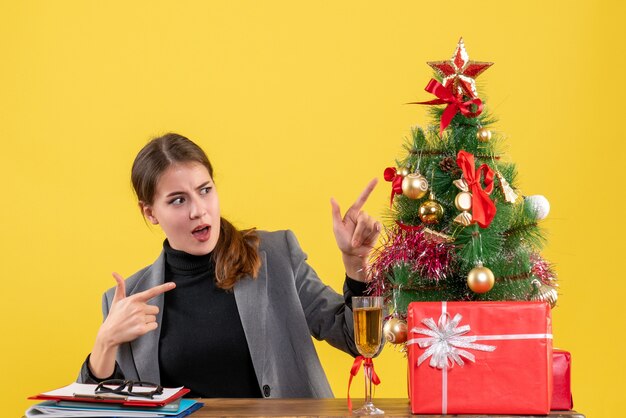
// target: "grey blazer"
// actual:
[[280, 310]]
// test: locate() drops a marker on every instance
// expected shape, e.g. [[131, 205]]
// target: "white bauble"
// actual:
[[539, 204]]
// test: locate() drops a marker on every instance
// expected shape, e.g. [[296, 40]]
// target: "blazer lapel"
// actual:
[[253, 303], [145, 349]]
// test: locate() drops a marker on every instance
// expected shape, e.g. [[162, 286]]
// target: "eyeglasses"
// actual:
[[129, 387]]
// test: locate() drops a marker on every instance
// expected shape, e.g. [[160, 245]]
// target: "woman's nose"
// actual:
[[196, 209]]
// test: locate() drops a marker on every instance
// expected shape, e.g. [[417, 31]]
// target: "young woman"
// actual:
[[223, 312]]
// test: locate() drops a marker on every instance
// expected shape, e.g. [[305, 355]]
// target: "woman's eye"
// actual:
[[177, 201], [205, 190]]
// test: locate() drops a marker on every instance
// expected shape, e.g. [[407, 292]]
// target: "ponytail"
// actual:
[[236, 255]]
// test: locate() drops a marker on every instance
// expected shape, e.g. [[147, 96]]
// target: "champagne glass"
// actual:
[[368, 328]]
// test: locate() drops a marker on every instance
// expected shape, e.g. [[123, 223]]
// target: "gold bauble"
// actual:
[[463, 201], [483, 135], [395, 330], [480, 279], [544, 293], [414, 186], [430, 212], [404, 171]]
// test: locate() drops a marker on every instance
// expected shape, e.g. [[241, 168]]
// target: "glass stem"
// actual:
[[367, 370]]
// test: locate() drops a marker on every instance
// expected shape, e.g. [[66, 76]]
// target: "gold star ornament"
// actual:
[[459, 72]]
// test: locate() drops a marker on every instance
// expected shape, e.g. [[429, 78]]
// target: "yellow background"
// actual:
[[295, 102]]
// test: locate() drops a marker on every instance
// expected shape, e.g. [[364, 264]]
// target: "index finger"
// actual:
[[365, 194], [155, 291]]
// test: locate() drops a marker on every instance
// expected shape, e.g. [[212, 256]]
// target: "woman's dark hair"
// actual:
[[236, 253]]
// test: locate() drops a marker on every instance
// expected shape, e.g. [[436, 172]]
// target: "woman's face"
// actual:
[[187, 208]]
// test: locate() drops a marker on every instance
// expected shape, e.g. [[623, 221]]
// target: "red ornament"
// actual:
[[483, 208], [392, 175], [459, 72], [455, 104]]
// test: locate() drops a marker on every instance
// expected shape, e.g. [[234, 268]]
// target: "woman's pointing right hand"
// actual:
[[129, 317]]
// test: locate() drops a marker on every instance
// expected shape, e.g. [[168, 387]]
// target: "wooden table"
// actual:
[[323, 408]]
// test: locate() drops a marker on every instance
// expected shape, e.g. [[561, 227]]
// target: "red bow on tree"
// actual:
[[483, 209], [391, 174], [455, 104]]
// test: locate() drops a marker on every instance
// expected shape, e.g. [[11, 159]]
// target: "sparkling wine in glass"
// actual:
[[368, 328]]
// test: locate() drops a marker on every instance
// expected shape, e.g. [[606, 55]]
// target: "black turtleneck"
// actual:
[[203, 346]]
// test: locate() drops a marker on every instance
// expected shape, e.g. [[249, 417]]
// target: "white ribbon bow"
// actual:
[[446, 341]]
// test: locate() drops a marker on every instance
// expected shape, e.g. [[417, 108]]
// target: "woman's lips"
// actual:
[[202, 233]]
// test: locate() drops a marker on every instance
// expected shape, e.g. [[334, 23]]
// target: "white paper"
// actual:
[[85, 389]]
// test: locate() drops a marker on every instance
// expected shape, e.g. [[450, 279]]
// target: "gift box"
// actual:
[[561, 379], [480, 357]]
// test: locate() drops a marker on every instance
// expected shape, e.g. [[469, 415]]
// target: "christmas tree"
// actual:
[[460, 229]]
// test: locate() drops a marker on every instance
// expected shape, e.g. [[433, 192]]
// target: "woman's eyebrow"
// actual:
[[206, 183], [174, 194]]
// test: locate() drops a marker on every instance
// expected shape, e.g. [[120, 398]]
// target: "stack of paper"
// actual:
[[80, 400]]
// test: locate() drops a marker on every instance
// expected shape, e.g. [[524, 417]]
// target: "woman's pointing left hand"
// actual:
[[356, 234]]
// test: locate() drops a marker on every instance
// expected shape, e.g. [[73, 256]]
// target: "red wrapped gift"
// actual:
[[480, 357], [561, 375]]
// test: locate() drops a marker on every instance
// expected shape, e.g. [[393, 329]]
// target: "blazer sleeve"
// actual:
[[326, 313], [85, 375]]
